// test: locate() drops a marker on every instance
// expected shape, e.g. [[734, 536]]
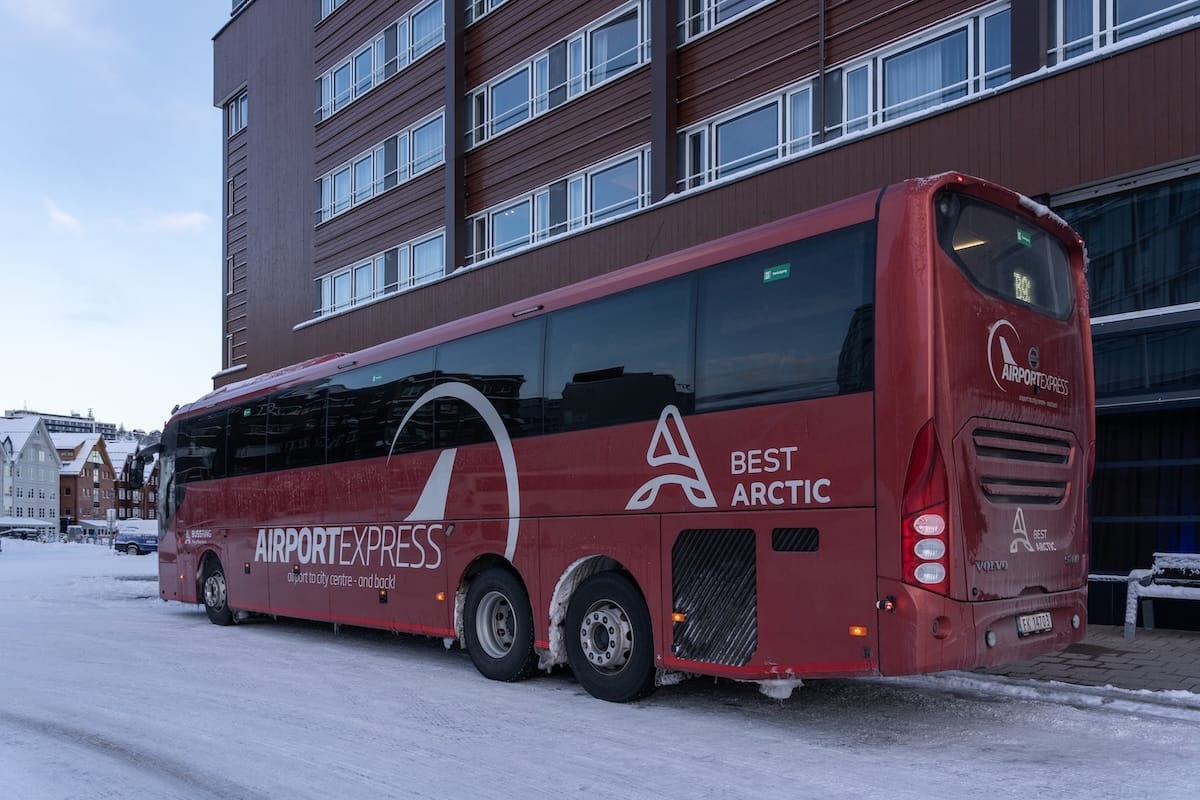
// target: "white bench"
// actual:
[[1173, 576]]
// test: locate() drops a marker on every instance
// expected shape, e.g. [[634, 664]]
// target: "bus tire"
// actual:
[[132, 550], [609, 639], [216, 593], [498, 627]]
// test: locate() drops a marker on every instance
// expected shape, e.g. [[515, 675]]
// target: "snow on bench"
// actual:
[[1174, 576]]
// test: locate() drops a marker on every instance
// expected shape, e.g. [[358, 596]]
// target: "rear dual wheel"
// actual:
[[609, 639]]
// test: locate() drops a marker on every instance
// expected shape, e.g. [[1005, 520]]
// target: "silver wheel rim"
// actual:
[[214, 591], [496, 625], [132, 550], [606, 636]]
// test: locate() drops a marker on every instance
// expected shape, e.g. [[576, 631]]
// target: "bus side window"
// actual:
[[621, 358], [505, 366]]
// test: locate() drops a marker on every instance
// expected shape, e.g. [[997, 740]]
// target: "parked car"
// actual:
[[137, 540], [21, 533]]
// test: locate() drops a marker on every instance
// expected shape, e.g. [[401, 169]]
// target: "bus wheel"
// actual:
[[609, 641], [498, 627], [216, 595], [132, 550]]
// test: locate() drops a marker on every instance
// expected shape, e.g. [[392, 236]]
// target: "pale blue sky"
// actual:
[[110, 231]]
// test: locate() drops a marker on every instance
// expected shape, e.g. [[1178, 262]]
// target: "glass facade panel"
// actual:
[[1143, 246], [1150, 362]]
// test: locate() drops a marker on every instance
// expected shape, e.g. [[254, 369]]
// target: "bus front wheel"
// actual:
[[609, 642], [498, 627], [216, 594]]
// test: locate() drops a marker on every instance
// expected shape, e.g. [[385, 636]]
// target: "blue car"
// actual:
[[136, 540]]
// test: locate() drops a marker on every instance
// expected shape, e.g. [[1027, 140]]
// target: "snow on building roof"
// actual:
[[19, 429], [81, 444]]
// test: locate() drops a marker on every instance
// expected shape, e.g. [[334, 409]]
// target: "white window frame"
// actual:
[[692, 26], [367, 278], [579, 212], [327, 7], [364, 187], [407, 53], [698, 142], [476, 10], [237, 113], [879, 111], [579, 75]]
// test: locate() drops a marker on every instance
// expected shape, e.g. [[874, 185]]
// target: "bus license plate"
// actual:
[[1028, 624]]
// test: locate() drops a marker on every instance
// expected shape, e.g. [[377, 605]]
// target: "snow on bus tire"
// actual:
[[498, 626], [215, 592], [610, 643]]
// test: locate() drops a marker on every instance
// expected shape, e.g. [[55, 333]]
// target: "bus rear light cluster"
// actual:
[[925, 515]]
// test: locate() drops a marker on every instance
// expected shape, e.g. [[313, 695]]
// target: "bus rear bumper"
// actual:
[[929, 633]]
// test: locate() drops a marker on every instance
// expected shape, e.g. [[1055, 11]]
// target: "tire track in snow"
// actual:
[[135, 759]]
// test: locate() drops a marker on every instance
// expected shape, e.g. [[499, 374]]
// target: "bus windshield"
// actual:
[[1005, 254]]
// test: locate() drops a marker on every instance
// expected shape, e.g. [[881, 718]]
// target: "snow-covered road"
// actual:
[[106, 692]]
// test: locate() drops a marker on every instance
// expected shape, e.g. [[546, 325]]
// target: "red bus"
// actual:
[[854, 441]]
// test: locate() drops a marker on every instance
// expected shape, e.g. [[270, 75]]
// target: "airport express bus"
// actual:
[[855, 441]]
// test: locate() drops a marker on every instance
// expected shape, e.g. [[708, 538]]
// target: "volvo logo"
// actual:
[[1034, 358], [991, 566]]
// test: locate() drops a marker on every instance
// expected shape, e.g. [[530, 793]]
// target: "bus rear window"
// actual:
[[1005, 254]]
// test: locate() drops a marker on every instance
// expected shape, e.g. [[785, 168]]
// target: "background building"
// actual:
[[389, 166], [28, 475], [69, 423], [85, 478]]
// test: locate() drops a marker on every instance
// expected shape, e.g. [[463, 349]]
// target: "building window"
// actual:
[[614, 47], [747, 137], [606, 49], [1078, 27], [394, 270], [697, 17], [324, 8], [397, 159], [747, 140], [478, 8], [387, 53], [612, 188], [997, 49], [236, 111], [926, 75]]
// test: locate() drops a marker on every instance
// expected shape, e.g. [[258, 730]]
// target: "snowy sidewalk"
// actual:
[[1158, 660]]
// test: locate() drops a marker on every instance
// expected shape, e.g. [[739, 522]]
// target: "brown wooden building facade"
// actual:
[[391, 165]]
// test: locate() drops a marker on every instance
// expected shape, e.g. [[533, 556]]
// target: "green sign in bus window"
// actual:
[[777, 273]]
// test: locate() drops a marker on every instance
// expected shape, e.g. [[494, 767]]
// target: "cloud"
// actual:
[[61, 219], [172, 222]]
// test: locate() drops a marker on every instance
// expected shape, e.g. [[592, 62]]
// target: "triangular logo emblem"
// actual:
[[671, 446]]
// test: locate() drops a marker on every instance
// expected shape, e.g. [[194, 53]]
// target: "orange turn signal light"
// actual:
[[858, 630], [441, 597], [678, 616]]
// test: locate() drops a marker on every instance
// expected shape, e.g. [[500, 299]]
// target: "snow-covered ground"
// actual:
[[106, 692]]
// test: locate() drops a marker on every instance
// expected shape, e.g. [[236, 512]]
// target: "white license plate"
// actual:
[[1028, 624]]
